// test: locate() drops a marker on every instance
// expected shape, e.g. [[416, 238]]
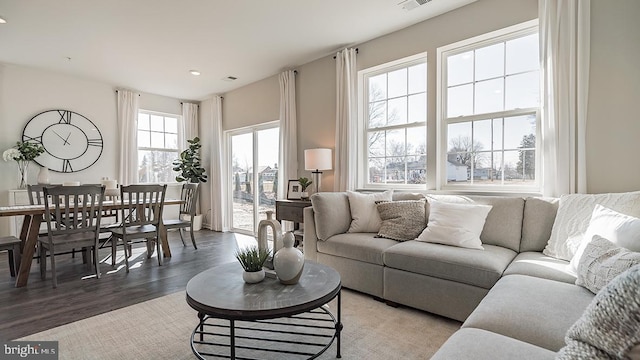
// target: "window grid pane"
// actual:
[[157, 147], [505, 77]]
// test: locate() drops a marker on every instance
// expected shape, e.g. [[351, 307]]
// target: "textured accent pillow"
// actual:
[[609, 327], [620, 229], [602, 261], [401, 220], [364, 213], [455, 224], [574, 214]]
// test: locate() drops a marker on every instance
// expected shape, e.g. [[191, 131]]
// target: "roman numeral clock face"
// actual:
[[71, 141]]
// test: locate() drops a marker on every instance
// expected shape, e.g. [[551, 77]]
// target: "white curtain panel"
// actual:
[[127, 104], [288, 157], [219, 217], [564, 55], [346, 117], [189, 124]]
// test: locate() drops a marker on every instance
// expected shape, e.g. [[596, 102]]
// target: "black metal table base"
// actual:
[[301, 336]]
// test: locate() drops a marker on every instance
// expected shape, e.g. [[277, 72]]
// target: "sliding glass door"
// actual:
[[253, 175]]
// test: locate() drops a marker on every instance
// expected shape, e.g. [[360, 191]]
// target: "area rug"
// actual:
[[161, 329]]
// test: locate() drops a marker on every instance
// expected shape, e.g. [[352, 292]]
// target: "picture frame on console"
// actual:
[[294, 190]]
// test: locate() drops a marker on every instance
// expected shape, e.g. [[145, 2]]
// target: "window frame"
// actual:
[[362, 128], [180, 136], [442, 121]]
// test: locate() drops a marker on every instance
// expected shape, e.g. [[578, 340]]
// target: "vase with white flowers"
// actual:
[[23, 153]]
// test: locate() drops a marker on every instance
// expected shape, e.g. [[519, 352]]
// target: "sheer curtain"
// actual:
[[564, 54], [219, 218], [288, 157], [346, 117], [127, 104], [189, 124]]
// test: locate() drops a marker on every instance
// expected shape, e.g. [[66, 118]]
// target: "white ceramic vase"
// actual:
[[288, 261], [253, 277], [43, 175], [276, 230]]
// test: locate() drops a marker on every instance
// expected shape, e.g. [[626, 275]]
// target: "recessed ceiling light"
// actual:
[[3, 21], [194, 72]]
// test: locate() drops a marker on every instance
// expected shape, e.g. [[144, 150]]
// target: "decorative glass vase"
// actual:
[[23, 167]]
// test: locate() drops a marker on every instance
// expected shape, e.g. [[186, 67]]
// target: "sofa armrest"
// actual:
[[310, 237]]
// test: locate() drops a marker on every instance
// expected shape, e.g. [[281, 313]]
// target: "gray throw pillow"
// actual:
[[401, 220], [610, 326], [602, 261]]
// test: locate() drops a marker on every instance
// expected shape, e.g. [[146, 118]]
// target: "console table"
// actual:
[[255, 321]]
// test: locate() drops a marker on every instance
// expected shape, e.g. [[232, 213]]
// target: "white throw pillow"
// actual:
[[364, 211], [622, 230], [455, 224], [574, 215]]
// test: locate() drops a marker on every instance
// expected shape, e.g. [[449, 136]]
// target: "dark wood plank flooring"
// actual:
[[37, 307]]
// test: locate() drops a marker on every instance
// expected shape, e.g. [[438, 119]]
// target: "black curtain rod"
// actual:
[[335, 57]]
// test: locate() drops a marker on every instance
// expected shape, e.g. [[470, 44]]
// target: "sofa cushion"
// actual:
[[364, 213], [478, 344], [358, 246], [574, 215], [503, 226], [455, 224], [401, 196], [530, 309], [401, 220], [602, 261], [539, 215], [331, 213], [480, 268], [537, 264], [610, 327], [620, 229]]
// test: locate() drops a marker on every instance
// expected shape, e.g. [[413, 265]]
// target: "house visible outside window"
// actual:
[[488, 114], [393, 115], [157, 146]]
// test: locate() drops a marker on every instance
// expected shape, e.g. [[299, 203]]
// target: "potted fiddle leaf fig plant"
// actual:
[[304, 184], [190, 169], [252, 259]]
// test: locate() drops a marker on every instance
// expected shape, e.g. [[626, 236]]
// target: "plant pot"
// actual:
[[253, 277], [304, 195]]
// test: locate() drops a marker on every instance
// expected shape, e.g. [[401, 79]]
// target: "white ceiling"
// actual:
[[150, 45]]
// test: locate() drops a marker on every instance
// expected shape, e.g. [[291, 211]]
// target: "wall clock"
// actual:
[[71, 141]]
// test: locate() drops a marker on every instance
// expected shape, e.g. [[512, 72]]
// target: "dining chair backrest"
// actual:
[[142, 204], [36, 193], [73, 209], [189, 197]]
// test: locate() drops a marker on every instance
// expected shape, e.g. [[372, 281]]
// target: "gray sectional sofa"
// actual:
[[514, 301]]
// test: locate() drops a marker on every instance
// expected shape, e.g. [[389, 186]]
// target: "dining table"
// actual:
[[33, 218]]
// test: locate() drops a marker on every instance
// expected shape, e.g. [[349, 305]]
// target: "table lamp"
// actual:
[[317, 160]]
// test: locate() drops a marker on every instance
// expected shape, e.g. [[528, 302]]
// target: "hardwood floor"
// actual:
[[79, 295]]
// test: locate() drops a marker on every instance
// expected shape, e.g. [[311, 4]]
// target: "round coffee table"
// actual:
[[267, 319]]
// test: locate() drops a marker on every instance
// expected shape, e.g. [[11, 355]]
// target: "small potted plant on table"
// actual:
[[304, 183], [252, 259]]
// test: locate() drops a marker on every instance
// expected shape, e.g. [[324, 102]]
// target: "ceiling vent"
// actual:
[[412, 4], [229, 78]]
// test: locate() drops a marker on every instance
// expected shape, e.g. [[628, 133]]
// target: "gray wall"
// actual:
[[615, 84]]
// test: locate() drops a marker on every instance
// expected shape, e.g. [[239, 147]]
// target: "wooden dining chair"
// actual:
[[141, 215], [72, 214], [12, 245], [189, 196]]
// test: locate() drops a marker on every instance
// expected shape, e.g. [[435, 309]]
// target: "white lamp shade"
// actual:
[[317, 159]]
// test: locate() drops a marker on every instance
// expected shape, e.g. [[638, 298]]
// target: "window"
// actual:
[[157, 146], [393, 129], [489, 103]]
